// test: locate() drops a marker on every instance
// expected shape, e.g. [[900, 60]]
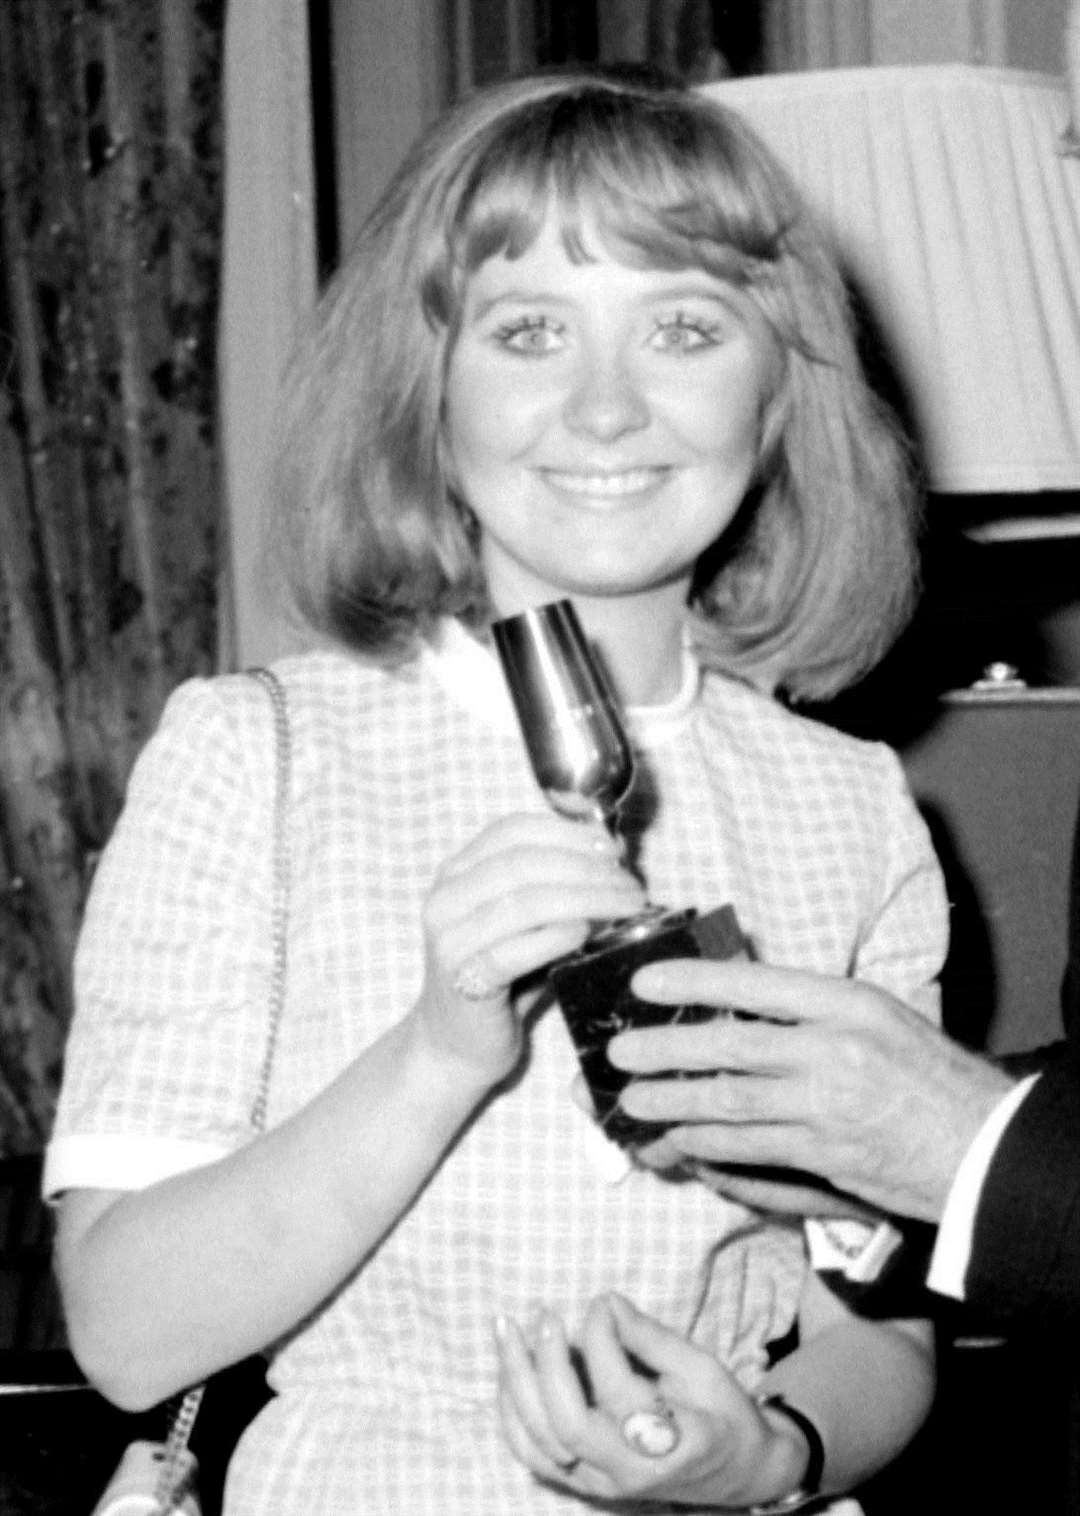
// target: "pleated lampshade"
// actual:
[[958, 217]]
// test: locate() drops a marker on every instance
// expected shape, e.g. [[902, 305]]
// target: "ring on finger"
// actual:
[[653, 1431], [478, 978]]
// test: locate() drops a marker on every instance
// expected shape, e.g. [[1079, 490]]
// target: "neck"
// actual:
[[641, 645]]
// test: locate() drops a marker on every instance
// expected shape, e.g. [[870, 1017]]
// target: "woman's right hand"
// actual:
[[523, 892]]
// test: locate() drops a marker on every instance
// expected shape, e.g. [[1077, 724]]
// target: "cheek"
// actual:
[[726, 427], [460, 414], [488, 420], [738, 414]]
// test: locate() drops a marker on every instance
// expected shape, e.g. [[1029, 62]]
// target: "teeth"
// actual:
[[628, 483]]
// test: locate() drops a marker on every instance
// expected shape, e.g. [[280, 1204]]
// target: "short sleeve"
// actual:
[[173, 964], [902, 950], [906, 936]]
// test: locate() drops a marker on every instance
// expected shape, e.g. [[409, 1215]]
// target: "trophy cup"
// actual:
[[583, 761]]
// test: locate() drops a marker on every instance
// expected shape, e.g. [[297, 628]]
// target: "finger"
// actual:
[[522, 929], [683, 1370], [526, 1449], [528, 830], [611, 1462], [543, 896], [788, 994], [659, 1154], [562, 1391], [581, 1095], [722, 1043], [520, 883], [779, 1197], [527, 1416], [489, 972], [618, 1388], [779, 1146], [731, 1098]]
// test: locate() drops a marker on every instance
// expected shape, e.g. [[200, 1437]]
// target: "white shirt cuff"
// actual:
[[855, 1249], [120, 1163], [952, 1249]]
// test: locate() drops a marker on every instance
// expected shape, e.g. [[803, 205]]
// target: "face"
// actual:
[[602, 421]]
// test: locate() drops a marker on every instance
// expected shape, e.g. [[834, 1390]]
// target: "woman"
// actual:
[[588, 346]]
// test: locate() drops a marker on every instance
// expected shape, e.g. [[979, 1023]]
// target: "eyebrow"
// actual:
[[689, 291]]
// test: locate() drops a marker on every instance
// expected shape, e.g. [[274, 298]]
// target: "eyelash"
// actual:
[[507, 334], [523, 326], [711, 331]]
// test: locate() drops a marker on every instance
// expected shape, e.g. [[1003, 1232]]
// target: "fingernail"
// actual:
[[651, 980], [634, 1100]]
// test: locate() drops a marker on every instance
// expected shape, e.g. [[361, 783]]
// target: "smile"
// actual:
[[612, 486]]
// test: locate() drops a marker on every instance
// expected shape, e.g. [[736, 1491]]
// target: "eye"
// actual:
[[531, 335], [686, 331]]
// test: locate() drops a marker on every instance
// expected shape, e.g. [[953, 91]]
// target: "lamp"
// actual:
[[955, 202]]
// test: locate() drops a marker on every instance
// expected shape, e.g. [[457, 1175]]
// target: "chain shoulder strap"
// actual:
[[177, 1467], [279, 905]]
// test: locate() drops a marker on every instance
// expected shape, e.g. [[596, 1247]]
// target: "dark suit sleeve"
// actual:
[[1070, 989], [1025, 1259]]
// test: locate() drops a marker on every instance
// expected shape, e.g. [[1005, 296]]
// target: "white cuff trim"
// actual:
[[120, 1163], [852, 1248]]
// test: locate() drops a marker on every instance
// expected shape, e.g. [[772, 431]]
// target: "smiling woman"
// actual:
[[604, 423], [588, 345], [815, 580]]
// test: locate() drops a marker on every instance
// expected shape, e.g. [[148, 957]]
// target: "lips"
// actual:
[[612, 485]]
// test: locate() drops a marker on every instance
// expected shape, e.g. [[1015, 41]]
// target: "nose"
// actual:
[[606, 400]]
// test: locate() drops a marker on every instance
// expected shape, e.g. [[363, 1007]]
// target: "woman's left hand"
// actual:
[[660, 1418]]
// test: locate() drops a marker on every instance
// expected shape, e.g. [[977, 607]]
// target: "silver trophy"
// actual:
[[573, 729], [583, 761]]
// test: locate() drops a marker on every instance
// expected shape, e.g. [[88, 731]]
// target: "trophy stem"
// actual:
[[637, 928]]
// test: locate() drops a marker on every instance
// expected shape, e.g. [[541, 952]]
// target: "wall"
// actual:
[[390, 76], [998, 779], [1034, 32]]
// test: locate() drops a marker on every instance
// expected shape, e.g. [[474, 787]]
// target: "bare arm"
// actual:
[[162, 1286], [165, 1285], [866, 1385]]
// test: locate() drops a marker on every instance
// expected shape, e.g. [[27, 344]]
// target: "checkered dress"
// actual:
[[385, 1403]]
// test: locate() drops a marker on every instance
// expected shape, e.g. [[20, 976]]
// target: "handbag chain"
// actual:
[[169, 1489]]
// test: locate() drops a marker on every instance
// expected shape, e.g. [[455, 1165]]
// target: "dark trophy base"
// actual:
[[593, 990]]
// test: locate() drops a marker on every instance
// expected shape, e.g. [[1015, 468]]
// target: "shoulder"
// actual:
[[759, 723], [229, 714]]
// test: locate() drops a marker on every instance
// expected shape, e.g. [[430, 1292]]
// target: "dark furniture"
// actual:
[[59, 1439]]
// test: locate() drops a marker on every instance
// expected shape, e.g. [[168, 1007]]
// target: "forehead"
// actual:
[[580, 263]]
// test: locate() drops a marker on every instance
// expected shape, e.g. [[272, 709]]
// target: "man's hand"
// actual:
[[830, 1076]]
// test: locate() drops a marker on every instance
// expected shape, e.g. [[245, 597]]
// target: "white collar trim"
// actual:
[[469, 673]]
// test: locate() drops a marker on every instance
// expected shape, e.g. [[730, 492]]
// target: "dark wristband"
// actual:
[[810, 1484]]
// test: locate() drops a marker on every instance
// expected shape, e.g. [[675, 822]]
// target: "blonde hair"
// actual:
[[817, 575]]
